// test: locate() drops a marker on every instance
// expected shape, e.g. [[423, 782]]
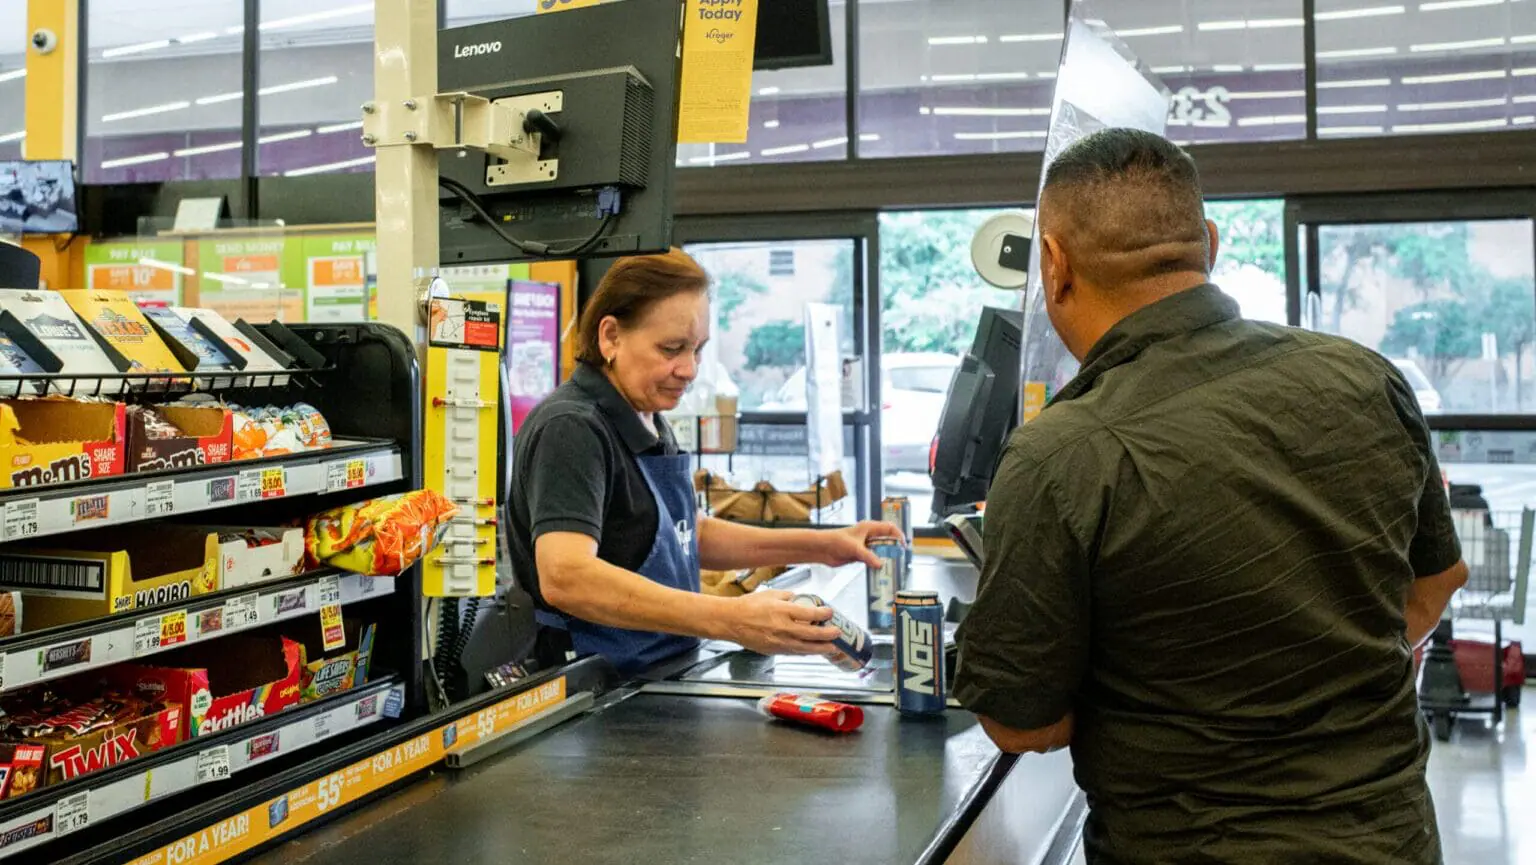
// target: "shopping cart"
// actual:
[[1497, 548]]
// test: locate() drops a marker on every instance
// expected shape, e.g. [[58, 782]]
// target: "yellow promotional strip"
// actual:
[[278, 816], [718, 40]]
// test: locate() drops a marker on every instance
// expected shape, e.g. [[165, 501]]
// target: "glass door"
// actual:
[[765, 271]]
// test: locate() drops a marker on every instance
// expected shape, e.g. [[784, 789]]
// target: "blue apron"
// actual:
[[672, 562]]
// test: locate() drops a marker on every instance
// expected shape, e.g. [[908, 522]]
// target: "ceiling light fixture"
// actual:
[[166, 265], [770, 124], [1367, 12], [344, 11], [145, 112], [1348, 83], [330, 166], [338, 127], [1350, 130], [1030, 37], [12, 75], [996, 136], [220, 97], [137, 48], [1443, 5], [297, 85], [1455, 76], [1269, 94], [957, 40], [1168, 30], [8, 137], [206, 148], [1351, 109], [785, 150], [1358, 52], [225, 278], [1461, 126], [193, 38], [967, 111], [134, 160], [722, 157], [1454, 106], [1493, 42], [284, 136], [830, 142], [768, 91], [1277, 120]]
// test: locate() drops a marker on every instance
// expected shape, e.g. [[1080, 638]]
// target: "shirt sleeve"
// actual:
[[1435, 546], [565, 478], [1023, 648]]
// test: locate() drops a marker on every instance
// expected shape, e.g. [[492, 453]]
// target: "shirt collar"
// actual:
[[1186, 311], [617, 409]]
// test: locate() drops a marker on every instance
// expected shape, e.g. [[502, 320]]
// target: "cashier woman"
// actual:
[[606, 534]]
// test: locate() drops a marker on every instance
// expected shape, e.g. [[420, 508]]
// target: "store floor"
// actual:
[[1485, 791]]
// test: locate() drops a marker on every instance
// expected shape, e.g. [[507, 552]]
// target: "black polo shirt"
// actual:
[[574, 470], [1202, 547]]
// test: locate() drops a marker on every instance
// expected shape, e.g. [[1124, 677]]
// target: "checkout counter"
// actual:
[[679, 767]]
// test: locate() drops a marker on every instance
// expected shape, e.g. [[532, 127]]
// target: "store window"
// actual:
[[1235, 68], [163, 92], [1251, 263], [956, 76], [1422, 68], [1453, 304], [13, 72], [316, 71], [780, 455], [758, 336]]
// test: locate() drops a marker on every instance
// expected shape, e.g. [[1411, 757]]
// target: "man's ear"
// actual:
[[1215, 236], [1055, 268]]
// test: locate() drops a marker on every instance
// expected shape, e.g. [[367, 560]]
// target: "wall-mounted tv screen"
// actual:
[[38, 198]]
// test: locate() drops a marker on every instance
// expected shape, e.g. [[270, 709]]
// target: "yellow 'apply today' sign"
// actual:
[[719, 37]]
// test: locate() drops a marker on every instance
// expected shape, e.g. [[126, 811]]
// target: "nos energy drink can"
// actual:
[[884, 582], [853, 645], [919, 653]]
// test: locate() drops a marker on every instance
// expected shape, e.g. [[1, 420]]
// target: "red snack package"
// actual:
[[837, 717]]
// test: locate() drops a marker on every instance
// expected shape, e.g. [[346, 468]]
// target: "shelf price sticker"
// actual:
[[257, 484], [348, 475], [331, 629], [146, 636], [173, 628], [242, 612], [72, 814], [160, 499], [21, 519], [323, 726], [213, 764]]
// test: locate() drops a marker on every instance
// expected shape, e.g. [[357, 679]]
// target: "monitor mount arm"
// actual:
[[514, 130]]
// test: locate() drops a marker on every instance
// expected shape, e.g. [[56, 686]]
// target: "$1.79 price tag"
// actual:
[[72, 814], [21, 519], [160, 499]]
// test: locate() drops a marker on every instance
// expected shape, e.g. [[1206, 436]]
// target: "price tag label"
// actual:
[[160, 499], [248, 485], [274, 482], [173, 628], [323, 726], [146, 636], [330, 591], [213, 764], [72, 814], [21, 519], [347, 475], [241, 612]]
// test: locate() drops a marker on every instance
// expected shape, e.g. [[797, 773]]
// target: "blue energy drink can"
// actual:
[[919, 653], [883, 582], [853, 645]]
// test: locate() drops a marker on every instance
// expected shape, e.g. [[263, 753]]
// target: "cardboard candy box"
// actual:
[[172, 436], [55, 738], [56, 440], [224, 684]]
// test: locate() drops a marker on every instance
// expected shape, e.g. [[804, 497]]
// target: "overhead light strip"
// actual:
[[1030, 37], [207, 148], [967, 111], [139, 48], [1358, 52], [8, 137], [145, 112], [723, 157], [12, 75], [1493, 42], [297, 85], [1350, 130], [134, 160], [1449, 77], [338, 127], [1461, 126], [310, 18], [1454, 106], [785, 150], [1351, 109], [1366, 12], [329, 166], [996, 136], [1350, 83], [1445, 5], [166, 265]]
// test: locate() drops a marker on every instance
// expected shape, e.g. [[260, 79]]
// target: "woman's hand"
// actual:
[[768, 623], [849, 545]]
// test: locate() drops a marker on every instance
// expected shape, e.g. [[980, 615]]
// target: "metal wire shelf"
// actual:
[[120, 385]]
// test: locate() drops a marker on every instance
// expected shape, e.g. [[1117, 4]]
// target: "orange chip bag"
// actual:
[[378, 537]]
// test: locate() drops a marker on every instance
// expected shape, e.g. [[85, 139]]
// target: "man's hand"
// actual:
[[1041, 741], [846, 546], [768, 623]]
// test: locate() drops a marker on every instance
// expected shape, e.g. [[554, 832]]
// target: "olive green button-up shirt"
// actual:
[[1202, 548]]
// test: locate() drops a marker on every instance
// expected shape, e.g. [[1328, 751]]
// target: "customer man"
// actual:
[[1208, 560]]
